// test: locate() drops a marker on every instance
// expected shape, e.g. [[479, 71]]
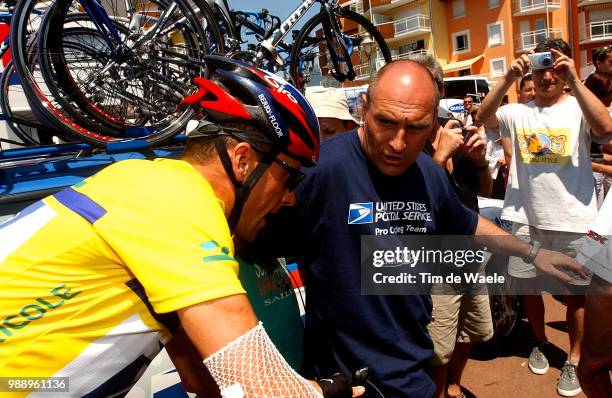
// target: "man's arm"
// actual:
[[498, 241], [213, 325], [188, 362], [596, 356], [490, 104], [602, 168], [506, 143], [593, 109]]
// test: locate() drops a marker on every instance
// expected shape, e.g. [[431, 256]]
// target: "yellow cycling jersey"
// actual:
[[91, 277]]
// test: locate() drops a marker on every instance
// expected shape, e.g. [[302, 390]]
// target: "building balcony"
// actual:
[[585, 3], [384, 5], [366, 70], [355, 5], [531, 7], [409, 53], [528, 40], [405, 27], [378, 5], [596, 31]]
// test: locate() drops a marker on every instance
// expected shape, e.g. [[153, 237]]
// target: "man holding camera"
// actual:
[[550, 196]]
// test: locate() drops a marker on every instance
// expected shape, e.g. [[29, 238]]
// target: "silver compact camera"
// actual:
[[541, 60]]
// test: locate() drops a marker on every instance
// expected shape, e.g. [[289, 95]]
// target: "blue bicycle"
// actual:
[[120, 70]]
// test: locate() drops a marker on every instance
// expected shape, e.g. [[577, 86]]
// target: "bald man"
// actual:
[[363, 178]]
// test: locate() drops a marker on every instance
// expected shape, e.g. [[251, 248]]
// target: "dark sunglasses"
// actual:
[[295, 175]]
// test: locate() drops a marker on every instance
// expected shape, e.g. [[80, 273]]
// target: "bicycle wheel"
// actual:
[[129, 94], [26, 61], [356, 46], [14, 106], [75, 39]]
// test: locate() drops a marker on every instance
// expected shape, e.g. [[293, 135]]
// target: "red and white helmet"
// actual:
[[235, 92]]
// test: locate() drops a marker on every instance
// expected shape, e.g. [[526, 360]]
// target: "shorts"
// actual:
[[462, 318], [567, 243]]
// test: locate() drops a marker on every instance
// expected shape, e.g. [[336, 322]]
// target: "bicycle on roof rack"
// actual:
[[118, 73], [118, 69], [344, 44]]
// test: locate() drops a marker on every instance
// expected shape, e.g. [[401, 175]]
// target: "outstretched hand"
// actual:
[[553, 263]]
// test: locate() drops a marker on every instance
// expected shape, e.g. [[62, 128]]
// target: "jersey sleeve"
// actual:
[[172, 237]]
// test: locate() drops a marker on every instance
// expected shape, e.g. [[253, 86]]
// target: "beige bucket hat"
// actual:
[[329, 102]]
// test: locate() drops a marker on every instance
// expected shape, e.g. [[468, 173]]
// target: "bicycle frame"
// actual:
[[330, 28], [279, 34], [105, 26], [103, 23]]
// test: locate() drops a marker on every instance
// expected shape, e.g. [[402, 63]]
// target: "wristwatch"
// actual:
[[535, 249]]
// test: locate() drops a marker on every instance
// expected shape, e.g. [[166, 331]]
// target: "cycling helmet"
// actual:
[[237, 92]]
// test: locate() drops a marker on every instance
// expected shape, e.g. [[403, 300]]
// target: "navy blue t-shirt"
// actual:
[[344, 329]]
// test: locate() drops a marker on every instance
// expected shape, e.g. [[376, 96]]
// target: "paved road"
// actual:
[[491, 374]]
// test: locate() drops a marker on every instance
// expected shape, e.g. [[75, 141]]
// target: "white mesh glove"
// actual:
[[251, 364]]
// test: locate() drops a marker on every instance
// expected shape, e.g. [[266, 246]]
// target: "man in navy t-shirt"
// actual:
[[361, 179]]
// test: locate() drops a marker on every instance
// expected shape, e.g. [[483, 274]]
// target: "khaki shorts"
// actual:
[[565, 242], [458, 318]]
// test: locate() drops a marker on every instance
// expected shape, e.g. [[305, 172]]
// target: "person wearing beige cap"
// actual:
[[332, 110]]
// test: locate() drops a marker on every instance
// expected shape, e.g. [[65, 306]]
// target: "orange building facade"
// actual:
[[486, 35], [482, 37], [590, 29]]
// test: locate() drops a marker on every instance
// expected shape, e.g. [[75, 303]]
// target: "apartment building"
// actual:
[[406, 25], [486, 35], [482, 37], [590, 28]]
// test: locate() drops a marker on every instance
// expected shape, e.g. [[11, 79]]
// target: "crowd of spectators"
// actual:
[[546, 156]]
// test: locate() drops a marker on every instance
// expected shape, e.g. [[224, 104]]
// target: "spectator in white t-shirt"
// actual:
[[525, 93], [550, 196]]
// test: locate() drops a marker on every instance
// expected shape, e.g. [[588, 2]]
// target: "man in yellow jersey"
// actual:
[[94, 279]]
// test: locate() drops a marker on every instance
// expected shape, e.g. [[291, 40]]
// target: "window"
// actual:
[[493, 3], [458, 9], [457, 88], [498, 66], [411, 47], [461, 41], [380, 19], [495, 33]]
